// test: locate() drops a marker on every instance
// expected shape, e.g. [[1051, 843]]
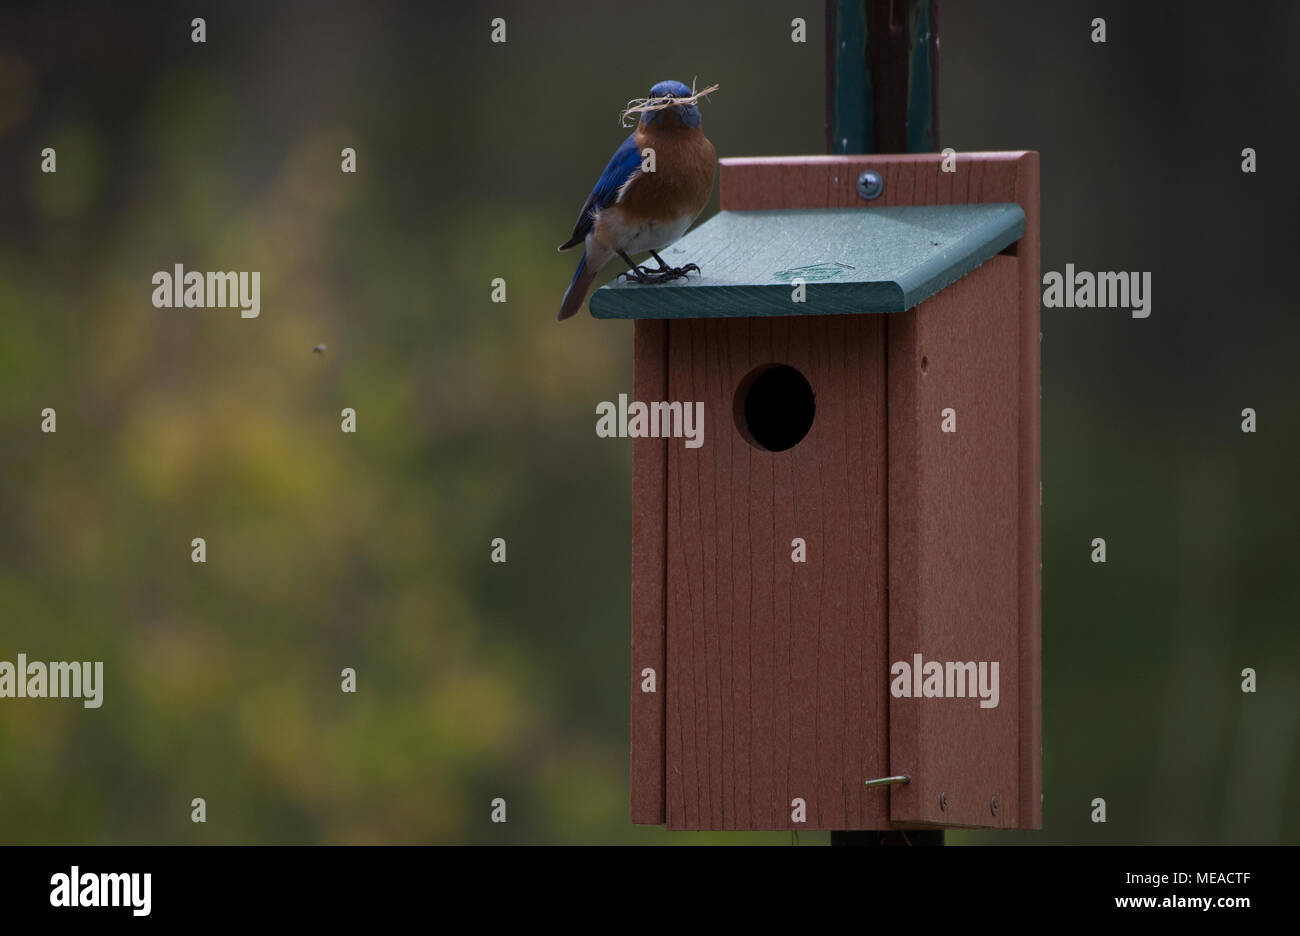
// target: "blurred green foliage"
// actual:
[[475, 420]]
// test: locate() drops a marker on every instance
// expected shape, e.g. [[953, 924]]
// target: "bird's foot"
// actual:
[[664, 274], [639, 274]]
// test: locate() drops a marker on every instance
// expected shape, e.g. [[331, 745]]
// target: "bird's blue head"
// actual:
[[688, 114]]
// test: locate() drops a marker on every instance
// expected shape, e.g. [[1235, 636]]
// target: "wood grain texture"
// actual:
[[759, 708], [775, 689], [649, 548], [762, 182], [1030, 499], [953, 535], [917, 179]]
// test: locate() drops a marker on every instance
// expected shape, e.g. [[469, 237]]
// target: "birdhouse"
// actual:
[[835, 597]]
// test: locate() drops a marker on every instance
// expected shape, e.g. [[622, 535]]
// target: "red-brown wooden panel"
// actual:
[[774, 687], [649, 545], [1031, 526], [953, 535], [752, 183]]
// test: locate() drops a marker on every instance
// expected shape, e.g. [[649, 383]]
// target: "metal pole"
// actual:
[[882, 76]]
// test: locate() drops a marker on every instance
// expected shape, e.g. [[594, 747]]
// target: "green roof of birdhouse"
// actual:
[[851, 260]]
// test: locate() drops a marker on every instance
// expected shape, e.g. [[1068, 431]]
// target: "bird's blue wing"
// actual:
[[625, 161]]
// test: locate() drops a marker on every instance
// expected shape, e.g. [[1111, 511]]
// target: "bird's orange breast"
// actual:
[[685, 164]]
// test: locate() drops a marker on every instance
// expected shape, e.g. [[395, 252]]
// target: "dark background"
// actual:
[[476, 420]]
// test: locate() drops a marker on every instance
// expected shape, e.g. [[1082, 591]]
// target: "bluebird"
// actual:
[[631, 211]]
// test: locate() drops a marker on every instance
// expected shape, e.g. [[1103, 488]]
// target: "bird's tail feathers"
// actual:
[[579, 286]]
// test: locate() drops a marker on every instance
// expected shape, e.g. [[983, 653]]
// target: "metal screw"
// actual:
[[870, 184], [885, 781], [943, 801], [993, 805]]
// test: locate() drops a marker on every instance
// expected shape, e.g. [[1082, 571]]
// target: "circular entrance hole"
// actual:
[[775, 406]]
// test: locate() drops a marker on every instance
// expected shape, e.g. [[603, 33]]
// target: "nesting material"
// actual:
[[645, 105]]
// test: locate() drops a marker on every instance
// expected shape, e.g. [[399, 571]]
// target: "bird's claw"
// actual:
[[663, 275], [639, 274]]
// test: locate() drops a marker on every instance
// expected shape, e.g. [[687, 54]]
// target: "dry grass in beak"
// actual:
[[645, 105]]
